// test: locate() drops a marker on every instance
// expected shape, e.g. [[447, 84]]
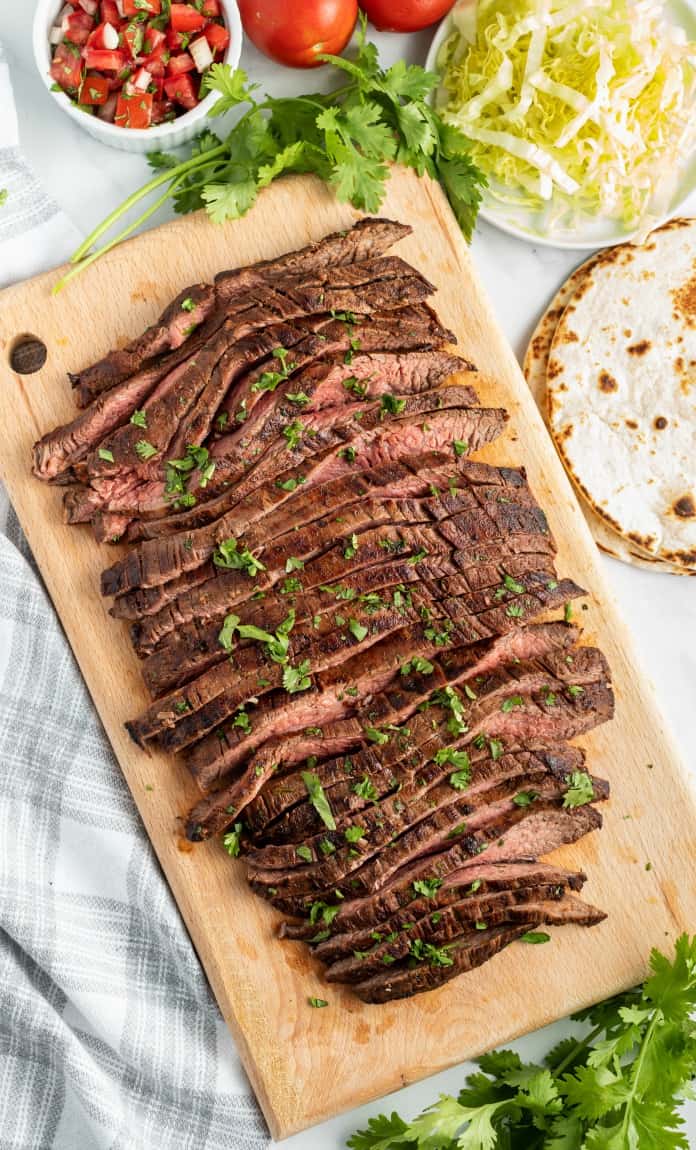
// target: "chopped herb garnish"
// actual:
[[318, 799], [139, 419], [580, 790], [418, 664], [460, 447], [304, 853], [232, 840], [317, 1002], [535, 937], [358, 630], [297, 678], [366, 790], [428, 887], [108, 456], [145, 450]]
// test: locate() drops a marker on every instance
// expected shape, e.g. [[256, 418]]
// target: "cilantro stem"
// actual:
[[171, 174], [580, 1045], [628, 1104], [94, 255]]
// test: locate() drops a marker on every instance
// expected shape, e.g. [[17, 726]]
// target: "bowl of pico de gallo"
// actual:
[[132, 72]]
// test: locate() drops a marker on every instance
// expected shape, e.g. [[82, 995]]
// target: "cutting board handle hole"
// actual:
[[28, 354]]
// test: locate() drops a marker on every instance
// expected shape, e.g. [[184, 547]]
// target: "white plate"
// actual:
[[592, 232]]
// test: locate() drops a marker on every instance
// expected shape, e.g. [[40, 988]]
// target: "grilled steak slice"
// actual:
[[367, 239], [322, 638], [484, 829], [498, 884], [168, 333], [484, 559], [196, 647], [55, 453], [539, 835], [397, 703], [396, 373], [510, 834], [441, 929], [326, 699], [480, 780], [468, 951]]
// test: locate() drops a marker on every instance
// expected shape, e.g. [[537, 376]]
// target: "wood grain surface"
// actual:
[[307, 1065]]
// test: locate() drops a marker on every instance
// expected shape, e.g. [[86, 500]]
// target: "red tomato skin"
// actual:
[[94, 90], [179, 64], [134, 111], [185, 18], [66, 68], [80, 27], [296, 39], [404, 15], [153, 40], [211, 9], [104, 61], [109, 13], [218, 37], [182, 91]]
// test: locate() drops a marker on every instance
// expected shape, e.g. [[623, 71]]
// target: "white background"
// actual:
[[89, 180]]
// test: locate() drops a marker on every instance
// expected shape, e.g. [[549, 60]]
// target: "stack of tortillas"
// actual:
[[612, 365]]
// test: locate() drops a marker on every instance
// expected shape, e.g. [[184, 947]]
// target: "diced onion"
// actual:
[[110, 37], [142, 80], [121, 9], [202, 56], [55, 35]]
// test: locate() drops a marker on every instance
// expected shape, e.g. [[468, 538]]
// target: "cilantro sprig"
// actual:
[[347, 137], [617, 1087]]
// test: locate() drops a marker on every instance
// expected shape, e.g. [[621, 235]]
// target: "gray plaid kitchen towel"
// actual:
[[109, 1036]]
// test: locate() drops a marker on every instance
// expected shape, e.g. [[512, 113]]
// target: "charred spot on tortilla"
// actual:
[[632, 424], [685, 507], [685, 302], [607, 382], [639, 348], [659, 423], [554, 368]]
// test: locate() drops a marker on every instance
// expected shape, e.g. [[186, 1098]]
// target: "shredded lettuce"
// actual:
[[574, 108]]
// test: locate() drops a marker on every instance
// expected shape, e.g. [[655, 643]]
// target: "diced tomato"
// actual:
[[211, 9], [134, 110], [118, 79], [133, 36], [179, 64], [66, 68], [79, 27], [217, 37], [177, 41], [137, 7], [94, 90], [185, 18], [104, 61], [110, 13], [181, 89], [153, 40], [155, 66]]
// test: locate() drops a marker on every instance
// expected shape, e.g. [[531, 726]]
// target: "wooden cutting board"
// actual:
[[305, 1064]]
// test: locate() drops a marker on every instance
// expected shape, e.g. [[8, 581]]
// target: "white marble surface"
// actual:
[[89, 180]]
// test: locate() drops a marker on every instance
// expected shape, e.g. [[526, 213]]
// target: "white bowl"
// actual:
[[164, 136], [592, 232]]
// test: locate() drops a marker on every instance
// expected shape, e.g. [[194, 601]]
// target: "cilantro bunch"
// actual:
[[347, 138], [618, 1088]]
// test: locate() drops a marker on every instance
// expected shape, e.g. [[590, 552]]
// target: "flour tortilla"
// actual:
[[621, 391], [535, 364]]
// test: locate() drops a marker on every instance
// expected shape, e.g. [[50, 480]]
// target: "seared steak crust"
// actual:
[[342, 615]]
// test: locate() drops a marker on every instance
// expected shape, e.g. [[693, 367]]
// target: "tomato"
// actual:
[[79, 27], [181, 89], [153, 40], [211, 9], [94, 90], [104, 61], [133, 36], [162, 111], [110, 13], [404, 15], [156, 61], [104, 36], [218, 37], [181, 63], [66, 68], [134, 110], [137, 7], [295, 34], [185, 18]]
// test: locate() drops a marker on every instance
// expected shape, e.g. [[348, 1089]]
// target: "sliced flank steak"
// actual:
[[341, 614]]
